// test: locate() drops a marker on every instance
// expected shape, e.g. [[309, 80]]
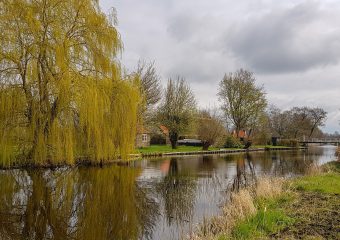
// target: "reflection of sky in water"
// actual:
[[216, 173], [155, 199]]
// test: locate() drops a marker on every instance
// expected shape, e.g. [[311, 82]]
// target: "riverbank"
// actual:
[[307, 207], [152, 151], [164, 150]]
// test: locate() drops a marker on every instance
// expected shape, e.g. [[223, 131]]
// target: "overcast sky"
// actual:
[[292, 46]]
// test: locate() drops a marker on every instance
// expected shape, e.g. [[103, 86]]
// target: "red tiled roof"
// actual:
[[241, 134], [164, 129]]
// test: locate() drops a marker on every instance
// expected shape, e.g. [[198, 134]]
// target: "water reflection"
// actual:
[[177, 191], [245, 172], [98, 204], [156, 199]]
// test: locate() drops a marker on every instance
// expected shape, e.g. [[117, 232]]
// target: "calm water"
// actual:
[[154, 199]]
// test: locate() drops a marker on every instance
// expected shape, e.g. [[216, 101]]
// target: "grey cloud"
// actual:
[[287, 40], [182, 27], [293, 48]]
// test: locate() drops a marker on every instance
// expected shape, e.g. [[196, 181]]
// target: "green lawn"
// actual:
[[270, 218], [167, 148], [323, 183], [326, 183]]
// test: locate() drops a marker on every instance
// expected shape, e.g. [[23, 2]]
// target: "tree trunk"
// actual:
[[312, 130], [173, 139], [205, 145]]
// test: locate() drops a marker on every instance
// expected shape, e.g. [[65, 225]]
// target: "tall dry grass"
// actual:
[[269, 187], [314, 169], [241, 206]]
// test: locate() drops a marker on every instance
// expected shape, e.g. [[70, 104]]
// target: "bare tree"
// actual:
[[209, 128], [177, 109], [278, 121], [296, 122], [151, 91], [150, 83], [242, 101], [317, 118], [299, 120]]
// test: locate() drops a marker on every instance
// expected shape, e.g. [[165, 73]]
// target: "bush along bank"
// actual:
[[307, 207]]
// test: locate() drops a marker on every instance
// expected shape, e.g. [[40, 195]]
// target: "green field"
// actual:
[[167, 148]]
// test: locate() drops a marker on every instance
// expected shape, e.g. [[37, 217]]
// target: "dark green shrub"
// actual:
[[158, 139]]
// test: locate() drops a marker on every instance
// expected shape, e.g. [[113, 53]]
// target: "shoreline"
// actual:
[[221, 151], [140, 156], [304, 207]]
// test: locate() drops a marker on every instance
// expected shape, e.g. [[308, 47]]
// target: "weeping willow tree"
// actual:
[[62, 96]]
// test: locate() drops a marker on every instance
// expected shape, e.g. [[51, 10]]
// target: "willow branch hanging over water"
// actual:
[[62, 96]]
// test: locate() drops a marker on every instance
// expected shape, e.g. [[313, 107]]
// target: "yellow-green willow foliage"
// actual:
[[62, 96], [82, 204]]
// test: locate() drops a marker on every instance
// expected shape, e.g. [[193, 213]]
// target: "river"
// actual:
[[160, 198]]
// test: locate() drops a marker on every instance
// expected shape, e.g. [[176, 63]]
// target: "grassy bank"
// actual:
[[168, 149], [303, 208]]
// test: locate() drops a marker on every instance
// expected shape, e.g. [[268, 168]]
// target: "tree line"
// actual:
[[297, 122], [244, 107]]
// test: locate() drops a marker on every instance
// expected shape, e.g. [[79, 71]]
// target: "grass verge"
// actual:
[[167, 148], [307, 207]]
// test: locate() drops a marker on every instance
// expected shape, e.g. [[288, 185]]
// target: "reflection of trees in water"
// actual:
[[315, 151], [294, 162], [33, 208], [10, 217], [177, 190], [273, 163], [115, 202], [85, 204], [208, 163], [245, 172]]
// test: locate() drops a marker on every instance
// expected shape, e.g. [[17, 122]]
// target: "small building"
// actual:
[[242, 134], [165, 133], [143, 137]]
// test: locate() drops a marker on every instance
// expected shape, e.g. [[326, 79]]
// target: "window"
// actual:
[[144, 137]]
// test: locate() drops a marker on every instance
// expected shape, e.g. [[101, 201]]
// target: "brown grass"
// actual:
[[241, 206], [269, 187], [314, 169]]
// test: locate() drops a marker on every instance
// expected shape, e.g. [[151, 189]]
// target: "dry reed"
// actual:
[[314, 169], [241, 206]]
